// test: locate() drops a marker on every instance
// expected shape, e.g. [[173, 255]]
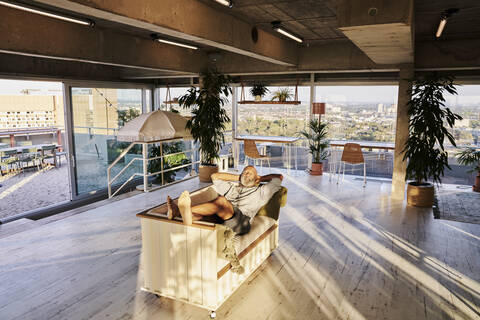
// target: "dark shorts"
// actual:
[[239, 223]]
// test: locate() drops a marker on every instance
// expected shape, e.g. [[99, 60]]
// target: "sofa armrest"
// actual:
[[272, 208]]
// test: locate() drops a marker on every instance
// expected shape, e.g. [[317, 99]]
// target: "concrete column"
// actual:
[[401, 133]]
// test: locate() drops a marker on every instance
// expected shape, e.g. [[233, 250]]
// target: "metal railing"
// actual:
[[145, 159]]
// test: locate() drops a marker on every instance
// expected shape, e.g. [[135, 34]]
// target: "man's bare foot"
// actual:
[[173, 210], [185, 207]]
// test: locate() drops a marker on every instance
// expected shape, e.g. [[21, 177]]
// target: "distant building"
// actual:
[[31, 111], [381, 108]]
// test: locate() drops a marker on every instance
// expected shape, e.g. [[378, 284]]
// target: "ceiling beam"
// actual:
[[190, 20], [34, 35], [381, 29]]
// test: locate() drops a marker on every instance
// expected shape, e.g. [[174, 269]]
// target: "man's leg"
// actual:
[[220, 206]]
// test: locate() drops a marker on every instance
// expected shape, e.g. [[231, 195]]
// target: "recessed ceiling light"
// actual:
[[277, 26], [47, 14], [227, 3]]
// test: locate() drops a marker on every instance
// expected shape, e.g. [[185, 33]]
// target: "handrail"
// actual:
[[124, 152]]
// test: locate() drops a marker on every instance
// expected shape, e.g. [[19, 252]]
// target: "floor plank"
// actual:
[[345, 252]]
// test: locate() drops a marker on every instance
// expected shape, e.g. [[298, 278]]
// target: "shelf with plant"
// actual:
[[281, 96]]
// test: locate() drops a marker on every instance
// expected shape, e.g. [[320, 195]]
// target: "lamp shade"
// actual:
[[318, 108], [154, 126]]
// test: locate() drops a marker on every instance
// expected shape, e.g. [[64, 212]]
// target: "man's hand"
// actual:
[[269, 177]]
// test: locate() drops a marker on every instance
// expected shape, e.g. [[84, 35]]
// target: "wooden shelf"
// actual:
[[268, 102], [171, 102]]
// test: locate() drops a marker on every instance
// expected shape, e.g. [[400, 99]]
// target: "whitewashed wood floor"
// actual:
[[345, 253]]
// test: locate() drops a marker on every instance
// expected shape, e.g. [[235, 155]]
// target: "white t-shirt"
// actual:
[[248, 199]]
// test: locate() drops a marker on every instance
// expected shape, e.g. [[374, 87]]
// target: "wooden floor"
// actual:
[[345, 252]]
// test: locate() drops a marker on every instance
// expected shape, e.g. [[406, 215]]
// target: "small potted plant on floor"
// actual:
[[208, 118], [471, 157], [258, 91], [316, 134], [428, 128], [282, 95]]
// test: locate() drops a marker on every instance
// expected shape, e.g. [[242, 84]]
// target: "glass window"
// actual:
[[360, 113], [274, 119], [98, 114]]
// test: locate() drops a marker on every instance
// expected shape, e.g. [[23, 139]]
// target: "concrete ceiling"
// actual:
[[313, 20], [463, 25]]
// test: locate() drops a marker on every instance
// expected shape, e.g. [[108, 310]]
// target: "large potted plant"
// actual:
[[208, 118], [258, 91], [317, 144], [428, 128], [471, 157]]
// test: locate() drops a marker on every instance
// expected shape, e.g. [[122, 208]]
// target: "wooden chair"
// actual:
[[353, 155], [251, 152]]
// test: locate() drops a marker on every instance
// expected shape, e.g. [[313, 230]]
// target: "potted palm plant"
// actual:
[[258, 91], [208, 118], [282, 95], [316, 134], [471, 157], [428, 128]]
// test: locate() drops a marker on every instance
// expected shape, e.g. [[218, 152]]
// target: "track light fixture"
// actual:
[[277, 26], [174, 43], [443, 20], [42, 12], [226, 3]]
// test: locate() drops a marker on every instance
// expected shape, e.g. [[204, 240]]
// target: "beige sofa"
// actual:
[[205, 263]]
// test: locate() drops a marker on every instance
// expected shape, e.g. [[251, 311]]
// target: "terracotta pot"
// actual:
[[258, 98], [420, 195], [204, 172], [476, 187], [317, 169]]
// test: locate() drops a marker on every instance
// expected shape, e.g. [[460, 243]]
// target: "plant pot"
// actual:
[[258, 98], [476, 187], [205, 171], [420, 195], [317, 169]]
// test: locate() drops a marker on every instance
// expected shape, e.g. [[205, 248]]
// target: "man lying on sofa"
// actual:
[[240, 198]]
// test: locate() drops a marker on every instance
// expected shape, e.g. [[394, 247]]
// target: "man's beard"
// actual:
[[246, 182]]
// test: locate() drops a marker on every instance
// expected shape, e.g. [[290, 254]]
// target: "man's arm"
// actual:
[[225, 176], [269, 177]]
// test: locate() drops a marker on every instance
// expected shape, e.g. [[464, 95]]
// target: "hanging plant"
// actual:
[[258, 91], [282, 95]]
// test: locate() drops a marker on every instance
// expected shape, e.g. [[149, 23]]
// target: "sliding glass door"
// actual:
[[97, 113]]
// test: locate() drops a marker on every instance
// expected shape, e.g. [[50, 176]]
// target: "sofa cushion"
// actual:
[[260, 224]]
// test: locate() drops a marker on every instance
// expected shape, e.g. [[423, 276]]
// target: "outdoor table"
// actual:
[[36, 146], [288, 141]]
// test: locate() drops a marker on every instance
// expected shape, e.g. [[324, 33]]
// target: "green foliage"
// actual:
[[126, 115], [470, 157], [428, 123], [169, 161], [282, 95], [208, 114], [316, 140], [258, 89]]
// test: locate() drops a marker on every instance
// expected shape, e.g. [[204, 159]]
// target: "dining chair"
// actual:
[[9, 159], [251, 152], [29, 155], [48, 152], [353, 155]]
